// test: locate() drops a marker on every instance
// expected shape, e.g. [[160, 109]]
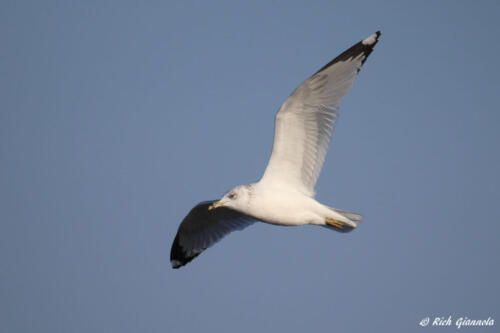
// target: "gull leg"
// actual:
[[334, 223]]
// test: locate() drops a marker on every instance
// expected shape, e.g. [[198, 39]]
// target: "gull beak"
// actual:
[[215, 205]]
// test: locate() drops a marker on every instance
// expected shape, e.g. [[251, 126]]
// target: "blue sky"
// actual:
[[117, 117]]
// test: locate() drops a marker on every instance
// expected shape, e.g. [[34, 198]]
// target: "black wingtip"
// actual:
[[179, 257], [364, 47]]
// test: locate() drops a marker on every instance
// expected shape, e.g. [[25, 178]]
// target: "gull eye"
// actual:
[[231, 195]]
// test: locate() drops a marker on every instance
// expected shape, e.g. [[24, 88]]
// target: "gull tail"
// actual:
[[345, 222]]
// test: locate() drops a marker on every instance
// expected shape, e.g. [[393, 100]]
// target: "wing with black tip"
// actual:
[[304, 123], [202, 228]]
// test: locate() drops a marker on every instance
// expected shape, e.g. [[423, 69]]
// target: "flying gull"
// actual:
[[285, 193]]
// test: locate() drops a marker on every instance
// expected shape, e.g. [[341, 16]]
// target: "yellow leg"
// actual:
[[334, 223]]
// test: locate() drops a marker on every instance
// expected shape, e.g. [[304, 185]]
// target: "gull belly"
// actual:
[[288, 207]]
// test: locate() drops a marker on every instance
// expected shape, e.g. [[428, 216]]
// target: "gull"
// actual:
[[285, 193]]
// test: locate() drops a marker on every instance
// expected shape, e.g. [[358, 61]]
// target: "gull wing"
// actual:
[[304, 123], [202, 228]]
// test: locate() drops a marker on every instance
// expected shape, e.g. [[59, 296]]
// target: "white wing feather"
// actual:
[[305, 122]]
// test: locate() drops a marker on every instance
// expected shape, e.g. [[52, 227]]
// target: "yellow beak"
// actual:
[[215, 205]]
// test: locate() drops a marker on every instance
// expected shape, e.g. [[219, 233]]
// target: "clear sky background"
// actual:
[[117, 117]]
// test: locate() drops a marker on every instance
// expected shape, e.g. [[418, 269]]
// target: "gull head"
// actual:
[[238, 198]]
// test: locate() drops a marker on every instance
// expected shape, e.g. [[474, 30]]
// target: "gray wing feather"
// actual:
[[202, 228]]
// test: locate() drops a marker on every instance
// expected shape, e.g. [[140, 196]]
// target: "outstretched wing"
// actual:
[[202, 228], [304, 123]]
